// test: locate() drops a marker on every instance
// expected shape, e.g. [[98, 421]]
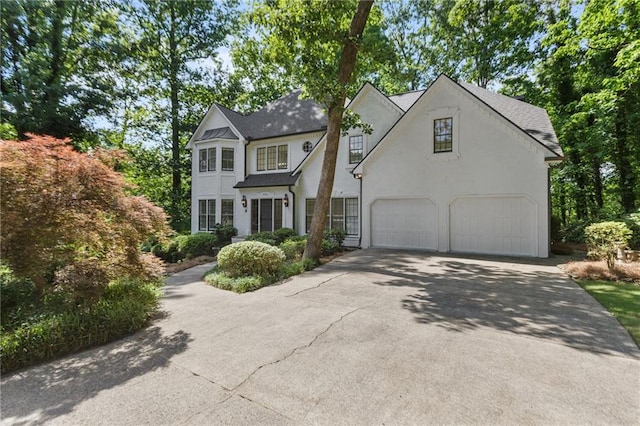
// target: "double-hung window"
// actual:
[[443, 135], [206, 215], [343, 214], [272, 158], [207, 157], [356, 149], [226, 213], [227, 159]]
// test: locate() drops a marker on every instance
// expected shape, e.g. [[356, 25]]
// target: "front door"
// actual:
[[266, 214]]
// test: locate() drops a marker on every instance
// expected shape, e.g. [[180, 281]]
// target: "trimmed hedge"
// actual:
[[187, 247], [247, 258]]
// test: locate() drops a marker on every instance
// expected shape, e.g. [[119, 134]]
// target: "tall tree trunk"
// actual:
[[176, 172], [52, 92], [334, 120], [597, 185], [626, 174]]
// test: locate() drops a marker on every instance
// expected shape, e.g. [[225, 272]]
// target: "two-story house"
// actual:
[[450, 168]]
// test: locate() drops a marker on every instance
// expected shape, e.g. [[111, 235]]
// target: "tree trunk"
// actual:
[[334, 120], [176, 173], [626, 174]]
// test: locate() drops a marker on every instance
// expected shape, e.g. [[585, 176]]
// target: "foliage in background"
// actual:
[[605, 239], [58, 63], [67, 219]]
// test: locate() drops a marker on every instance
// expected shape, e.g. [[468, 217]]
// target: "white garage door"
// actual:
[[404, 223], [493, 225]]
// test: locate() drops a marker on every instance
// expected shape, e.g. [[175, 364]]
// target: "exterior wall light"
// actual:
[[244, 201], [285, 201]]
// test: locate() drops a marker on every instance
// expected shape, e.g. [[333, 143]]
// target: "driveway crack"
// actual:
[[316, 286], [296, 348]]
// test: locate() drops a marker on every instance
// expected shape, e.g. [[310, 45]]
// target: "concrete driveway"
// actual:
[[374, 337]]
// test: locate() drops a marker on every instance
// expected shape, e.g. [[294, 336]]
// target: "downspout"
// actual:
[[549, 210], [360, 213], [293, 208]]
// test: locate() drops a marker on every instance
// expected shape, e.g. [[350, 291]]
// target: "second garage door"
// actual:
[[493, 225], [404, 223]]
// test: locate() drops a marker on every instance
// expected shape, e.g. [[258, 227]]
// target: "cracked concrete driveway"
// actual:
[[374, 337]]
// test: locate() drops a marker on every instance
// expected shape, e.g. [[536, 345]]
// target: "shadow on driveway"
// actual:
[[524, 296], [54, 389]]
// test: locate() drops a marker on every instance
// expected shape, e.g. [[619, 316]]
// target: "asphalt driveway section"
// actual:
[[374, 337]]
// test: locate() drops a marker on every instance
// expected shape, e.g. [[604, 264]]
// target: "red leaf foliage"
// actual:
[[61, 207]]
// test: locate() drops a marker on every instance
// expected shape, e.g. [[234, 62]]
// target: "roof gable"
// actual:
[[531, 119], [287, 115]]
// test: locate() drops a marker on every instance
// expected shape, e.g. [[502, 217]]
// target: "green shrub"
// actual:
[[183, 247], [633, 222], [14, 291], [336, 236], [293, 249], [605, 238], [57, 329], [223, 281], [282, 234], [247, 258], [264, 237], [199, 244], [574, 231], [224, 233]]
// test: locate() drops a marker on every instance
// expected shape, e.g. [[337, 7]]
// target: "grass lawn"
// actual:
[[622, 299]]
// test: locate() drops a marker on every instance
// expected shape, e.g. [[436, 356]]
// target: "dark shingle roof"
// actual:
[[285, 116], [531, 119], [220, 133], [268, 179]]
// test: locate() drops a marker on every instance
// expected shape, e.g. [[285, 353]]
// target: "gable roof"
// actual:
[[529, 118], [406, 100], [288, 115]]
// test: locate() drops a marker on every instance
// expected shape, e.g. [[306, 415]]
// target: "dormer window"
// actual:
[[443, 135], [207, 159], [272, 157]]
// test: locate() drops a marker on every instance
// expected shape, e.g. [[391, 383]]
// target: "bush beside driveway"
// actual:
[[372, 337]]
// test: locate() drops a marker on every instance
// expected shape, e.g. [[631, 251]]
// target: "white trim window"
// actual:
[[226, 212], [207, 160], [206, 215], [356, 149], [272, 157], [227, 159], [443, 135], [343, 214]]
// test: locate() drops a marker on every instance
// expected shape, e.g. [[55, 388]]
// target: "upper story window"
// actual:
[[227, 159], [307, 146], [207, 159], [443, 135], [272, 157], [356, 145]]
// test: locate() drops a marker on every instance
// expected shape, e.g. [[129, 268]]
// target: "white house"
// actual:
[[453, 168]]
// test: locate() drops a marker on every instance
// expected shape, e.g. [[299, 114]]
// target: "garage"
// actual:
[[404, 223], [493, 225]]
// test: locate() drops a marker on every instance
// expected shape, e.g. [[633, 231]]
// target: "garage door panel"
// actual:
[[493, 225], [404, 223]]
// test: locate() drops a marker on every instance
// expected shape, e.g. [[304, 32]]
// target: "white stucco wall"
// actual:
[[380, 114], [489, 158]]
